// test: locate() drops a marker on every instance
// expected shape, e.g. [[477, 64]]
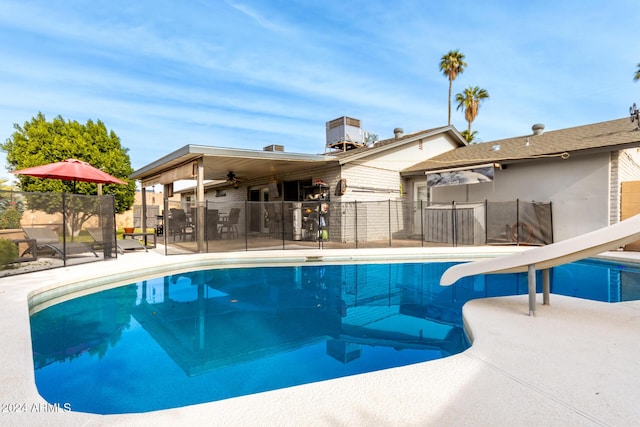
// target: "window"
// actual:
[[293, 191]]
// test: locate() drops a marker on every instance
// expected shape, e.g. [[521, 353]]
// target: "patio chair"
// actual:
[[121, 245], [230, 223], [47, 240], [179, 224]]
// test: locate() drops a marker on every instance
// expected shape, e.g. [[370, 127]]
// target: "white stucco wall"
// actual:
[[408, 154], [376, 177], [578, 189]]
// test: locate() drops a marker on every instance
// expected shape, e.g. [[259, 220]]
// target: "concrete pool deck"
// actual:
[[575, 363]]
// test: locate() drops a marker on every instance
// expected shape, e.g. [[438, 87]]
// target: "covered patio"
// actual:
[[222, 172]]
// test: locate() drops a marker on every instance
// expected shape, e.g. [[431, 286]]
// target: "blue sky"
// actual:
[[247, 74]]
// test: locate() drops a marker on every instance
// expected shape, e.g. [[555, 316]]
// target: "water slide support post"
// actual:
[[532, 289], [545, 287]]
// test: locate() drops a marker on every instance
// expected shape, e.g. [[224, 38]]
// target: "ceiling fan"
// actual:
[[233, 180]]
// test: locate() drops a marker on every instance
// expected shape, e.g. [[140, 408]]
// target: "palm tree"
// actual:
[[470, 100], [452, 64], [636, 76], [470, 137]]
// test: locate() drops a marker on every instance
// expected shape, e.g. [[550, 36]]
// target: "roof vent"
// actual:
[[538, 129], [398, 132]]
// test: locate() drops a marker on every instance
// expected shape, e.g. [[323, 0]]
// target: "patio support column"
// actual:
[[200, 220], [144, 215], [532, 289], [167, 191], [546, 287]]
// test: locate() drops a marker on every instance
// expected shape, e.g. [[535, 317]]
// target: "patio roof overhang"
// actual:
[[217, 162]]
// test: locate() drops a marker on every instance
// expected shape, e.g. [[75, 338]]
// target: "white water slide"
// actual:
[[545, 257]]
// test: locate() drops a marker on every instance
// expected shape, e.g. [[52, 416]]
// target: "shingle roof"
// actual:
[[616, 134]]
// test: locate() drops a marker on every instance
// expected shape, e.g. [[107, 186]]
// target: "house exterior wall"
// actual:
[[578, 188], [624, 168], [367, 183], [375, 181], [403, 156], [629, 161], [237, 197]]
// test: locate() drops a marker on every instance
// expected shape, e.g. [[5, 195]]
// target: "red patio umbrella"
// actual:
[[70, 170]]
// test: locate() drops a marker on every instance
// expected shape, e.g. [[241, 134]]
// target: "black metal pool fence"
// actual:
[[58, 229], [247, 225], [55, 229]]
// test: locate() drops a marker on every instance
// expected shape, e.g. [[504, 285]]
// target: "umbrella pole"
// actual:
[[64, 230]]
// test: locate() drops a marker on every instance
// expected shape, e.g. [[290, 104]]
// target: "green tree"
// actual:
[[8, 253], [40, 142], [452, 64], [469, 100], [636, 76]]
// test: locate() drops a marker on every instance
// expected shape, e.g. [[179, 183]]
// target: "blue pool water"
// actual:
[[210, 335]]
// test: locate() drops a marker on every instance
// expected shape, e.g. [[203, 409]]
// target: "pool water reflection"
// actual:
[[210, 335]]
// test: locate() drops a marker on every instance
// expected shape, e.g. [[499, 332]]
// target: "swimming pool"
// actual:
[[210, 335]]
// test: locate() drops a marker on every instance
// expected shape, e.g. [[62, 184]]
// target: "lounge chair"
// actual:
[[122, 245], [47, 240]]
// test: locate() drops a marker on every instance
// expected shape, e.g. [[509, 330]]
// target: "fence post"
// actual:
[[64, 229], [389, 220], [486, 220], [165, 224], [551, 219], [206, 226], [454, 241], [355, 208], [319, 232], [246, 225], [113, 218], [517, 222], [282, 223], [421, 225]]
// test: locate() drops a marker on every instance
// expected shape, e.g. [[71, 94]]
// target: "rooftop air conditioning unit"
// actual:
[[344, 133]]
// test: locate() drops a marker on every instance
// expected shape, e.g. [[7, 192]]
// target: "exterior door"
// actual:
[[420, 194], [258, 219]]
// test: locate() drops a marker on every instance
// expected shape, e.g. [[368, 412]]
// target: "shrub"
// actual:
[[10, 218], [8, 252], [11, 210]]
